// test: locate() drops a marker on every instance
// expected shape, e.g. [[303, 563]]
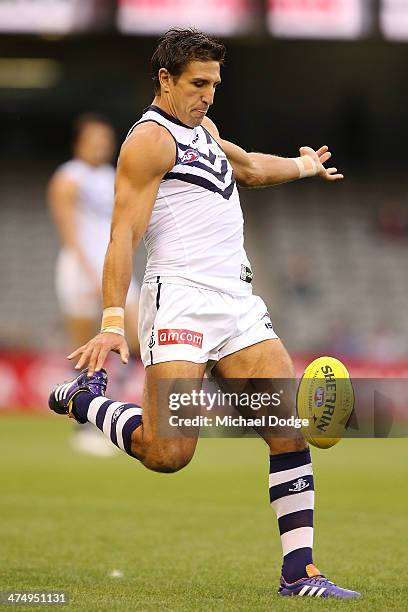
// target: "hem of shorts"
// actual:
[[244, 346], [175, 280], [164, 360]]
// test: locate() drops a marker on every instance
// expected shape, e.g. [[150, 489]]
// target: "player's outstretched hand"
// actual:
[[93, 354], [321, 156]]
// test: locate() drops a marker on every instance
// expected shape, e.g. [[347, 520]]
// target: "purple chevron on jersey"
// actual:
[[316, 586]]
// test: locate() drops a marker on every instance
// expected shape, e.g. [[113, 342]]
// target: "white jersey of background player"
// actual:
[[95, 192], [81, 195]]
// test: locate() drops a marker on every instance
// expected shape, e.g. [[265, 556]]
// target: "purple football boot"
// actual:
[[315, 585], [61, 398]]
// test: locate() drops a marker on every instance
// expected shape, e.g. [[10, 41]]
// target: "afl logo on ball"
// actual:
[[189, 156], [319, 397]]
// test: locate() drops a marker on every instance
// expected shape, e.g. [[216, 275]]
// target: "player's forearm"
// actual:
[[61, 201], [270, 170], [71, 243], [62, 211], [69, 240]]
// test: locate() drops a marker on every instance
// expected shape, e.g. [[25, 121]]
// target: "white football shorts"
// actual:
[[180, 322], [76, 297]]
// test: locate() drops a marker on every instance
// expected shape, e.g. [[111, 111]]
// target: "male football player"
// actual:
[[177, 187], [80, 199]]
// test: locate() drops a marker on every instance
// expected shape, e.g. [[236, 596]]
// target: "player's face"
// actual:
[[192, 93], [96, 143]]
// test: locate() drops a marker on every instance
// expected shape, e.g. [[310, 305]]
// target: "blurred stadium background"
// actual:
[[330, 261]]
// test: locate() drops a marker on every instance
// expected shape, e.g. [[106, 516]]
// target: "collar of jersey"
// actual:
[[161, 112]]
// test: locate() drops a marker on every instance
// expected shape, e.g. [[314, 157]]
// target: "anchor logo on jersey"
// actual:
[[189, 156]]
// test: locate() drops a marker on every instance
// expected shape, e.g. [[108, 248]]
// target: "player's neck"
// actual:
[[165, 106]]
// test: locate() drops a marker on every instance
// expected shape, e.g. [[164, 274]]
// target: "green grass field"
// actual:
[[202, 539]]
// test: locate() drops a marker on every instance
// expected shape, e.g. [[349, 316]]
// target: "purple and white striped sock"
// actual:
[[116, 420], [291, 493]]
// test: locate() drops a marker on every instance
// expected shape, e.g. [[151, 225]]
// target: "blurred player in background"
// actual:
[[177, 186], [80, 197]]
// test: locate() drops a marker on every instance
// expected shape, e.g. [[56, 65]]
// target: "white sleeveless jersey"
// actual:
[[94, 206], [195, 234]]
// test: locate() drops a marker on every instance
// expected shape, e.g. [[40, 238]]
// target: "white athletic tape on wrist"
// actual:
[[306, 166], [113, 320], [114, 311], [113, 330]]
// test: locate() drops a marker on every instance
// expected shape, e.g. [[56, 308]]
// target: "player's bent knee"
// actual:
[[167, 461], [165, 466]]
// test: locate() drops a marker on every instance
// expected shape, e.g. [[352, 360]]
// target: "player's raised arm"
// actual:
[[145, 157], [262, 170]]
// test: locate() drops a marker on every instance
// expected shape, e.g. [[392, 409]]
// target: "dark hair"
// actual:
[[178, 47], [85, 119]]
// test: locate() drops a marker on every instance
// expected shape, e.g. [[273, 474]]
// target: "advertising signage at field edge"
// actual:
[[50, 16], [222, 17], [317, 18]]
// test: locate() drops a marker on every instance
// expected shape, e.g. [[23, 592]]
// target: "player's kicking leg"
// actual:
[[291, 486], [133, 430], [86, 439]]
